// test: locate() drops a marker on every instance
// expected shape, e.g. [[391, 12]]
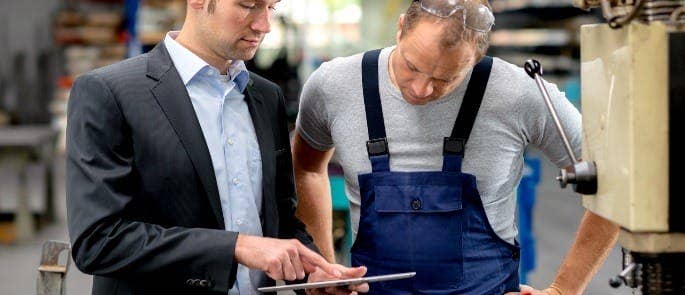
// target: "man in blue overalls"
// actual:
[[430, 134]]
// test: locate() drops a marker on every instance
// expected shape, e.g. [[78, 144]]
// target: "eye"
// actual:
[[411, 67], [248, 5]]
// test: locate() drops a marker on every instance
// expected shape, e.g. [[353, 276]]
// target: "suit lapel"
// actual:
[[255, 105], [172, 96]]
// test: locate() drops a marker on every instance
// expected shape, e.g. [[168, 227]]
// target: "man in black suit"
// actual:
[[179, 172]]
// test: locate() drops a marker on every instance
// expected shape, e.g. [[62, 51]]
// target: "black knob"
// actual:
[[533, 67], [615, 282]]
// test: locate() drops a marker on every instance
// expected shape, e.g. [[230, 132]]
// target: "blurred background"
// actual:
[[46, 44]]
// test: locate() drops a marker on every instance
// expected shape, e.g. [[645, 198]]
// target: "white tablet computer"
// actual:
[[335, 283]]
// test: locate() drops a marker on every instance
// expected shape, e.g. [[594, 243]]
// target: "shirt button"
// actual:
[[239, 221], [230, 141], [236, 181]]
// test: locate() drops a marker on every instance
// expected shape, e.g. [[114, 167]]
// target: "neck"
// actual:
[[188, 40]]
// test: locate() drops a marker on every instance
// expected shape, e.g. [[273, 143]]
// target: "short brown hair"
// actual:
[[454, 32]]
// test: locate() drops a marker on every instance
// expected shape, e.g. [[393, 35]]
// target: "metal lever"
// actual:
[[622, 278], [583, 175]]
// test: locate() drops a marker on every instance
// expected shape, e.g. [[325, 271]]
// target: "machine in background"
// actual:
[[633, 100]]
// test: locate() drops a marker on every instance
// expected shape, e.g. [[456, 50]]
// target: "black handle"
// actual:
[[533, 67]]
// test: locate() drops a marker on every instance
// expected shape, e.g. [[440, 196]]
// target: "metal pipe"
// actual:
[[534, 69]]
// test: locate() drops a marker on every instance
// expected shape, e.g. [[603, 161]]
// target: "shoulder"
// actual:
[[335, 79], [509, 77], [507, 87], [344, 64], [121, 77], [133, 68]]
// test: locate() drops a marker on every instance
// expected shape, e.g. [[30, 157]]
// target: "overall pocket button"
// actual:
[[416, 204]]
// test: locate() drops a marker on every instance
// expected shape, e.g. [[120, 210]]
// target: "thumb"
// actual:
[[527, 290]]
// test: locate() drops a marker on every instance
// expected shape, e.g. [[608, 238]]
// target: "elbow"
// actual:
[[84, 256]]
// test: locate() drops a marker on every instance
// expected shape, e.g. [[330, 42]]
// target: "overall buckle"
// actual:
[[377, 147]]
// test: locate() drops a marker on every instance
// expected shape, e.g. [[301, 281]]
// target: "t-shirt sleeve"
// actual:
[[538, 125], [313, 122]]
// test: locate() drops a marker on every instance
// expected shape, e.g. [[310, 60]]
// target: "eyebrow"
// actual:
[[411, 65]]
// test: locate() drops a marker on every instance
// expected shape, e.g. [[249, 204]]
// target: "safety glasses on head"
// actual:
[[476, 16]]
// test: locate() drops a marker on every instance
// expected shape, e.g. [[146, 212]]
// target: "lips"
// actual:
[[252, 42]]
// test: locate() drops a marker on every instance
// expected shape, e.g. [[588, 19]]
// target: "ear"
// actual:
[[400, 25]]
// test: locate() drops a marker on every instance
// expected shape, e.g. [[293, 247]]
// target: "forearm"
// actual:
[[315, 209], [595, 238], [133, 249]]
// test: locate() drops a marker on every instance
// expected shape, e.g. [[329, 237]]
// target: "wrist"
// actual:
[[553, 290], [240, 247]]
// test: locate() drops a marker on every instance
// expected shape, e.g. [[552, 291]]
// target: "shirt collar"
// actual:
[[188, 64], [239, 74]]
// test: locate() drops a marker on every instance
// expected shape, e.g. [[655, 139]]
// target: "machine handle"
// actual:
[[622, 278], [534, 70], [583, 175]]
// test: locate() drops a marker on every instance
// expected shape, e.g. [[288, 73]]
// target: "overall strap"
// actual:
[[377, 146], [453, 149]]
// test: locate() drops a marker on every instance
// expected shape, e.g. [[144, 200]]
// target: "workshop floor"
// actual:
[[557, 214]]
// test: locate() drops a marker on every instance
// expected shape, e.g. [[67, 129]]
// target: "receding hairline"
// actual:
[[455, 33]]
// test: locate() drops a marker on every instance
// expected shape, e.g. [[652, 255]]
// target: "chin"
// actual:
[[246, 54], [414, 101]]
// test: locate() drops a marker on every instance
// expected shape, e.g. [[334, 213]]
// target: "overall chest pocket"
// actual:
[[419, 218], [421, 226]]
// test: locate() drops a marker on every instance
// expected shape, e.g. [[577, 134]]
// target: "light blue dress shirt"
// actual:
[[227, 126]]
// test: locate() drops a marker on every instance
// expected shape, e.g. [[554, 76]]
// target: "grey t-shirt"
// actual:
[[512, 115]]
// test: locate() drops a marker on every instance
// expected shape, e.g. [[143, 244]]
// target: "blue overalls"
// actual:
[[432, 223]]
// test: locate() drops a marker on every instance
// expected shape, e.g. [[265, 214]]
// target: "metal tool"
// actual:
[[622, 278], [583, 175]]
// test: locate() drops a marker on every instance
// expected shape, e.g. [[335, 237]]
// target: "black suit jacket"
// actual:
[[143, 206]]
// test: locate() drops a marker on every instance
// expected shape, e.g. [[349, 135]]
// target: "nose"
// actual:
[[262, 22], [422, 88]]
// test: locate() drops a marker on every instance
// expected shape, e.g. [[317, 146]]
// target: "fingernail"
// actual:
[[338, 273]]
